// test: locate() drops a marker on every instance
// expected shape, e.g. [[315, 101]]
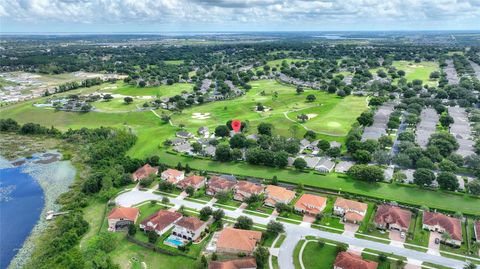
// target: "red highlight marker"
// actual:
[[236, 125]]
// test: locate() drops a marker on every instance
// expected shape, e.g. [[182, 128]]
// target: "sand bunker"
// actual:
[[200, 116], [311, 116]]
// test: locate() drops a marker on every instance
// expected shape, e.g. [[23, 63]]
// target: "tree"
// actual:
[[238, 141], [320, 244], [190, 191], [369, 173], [385, 141], [165, 200], [223, 153], [299, 89], [222, 131], [447, 181], [366, 118], [423, 177], [403, 160], [470, 265], [310, 135], [334, 152], [425, 162], [447, 166], [152, 237], [214, 256], [205, 213], [107, 97], [275, 228], [261, 256], [445, 142], [446, 120], [362, 156], [311, 98], [222, 196], [132, 229], [204, 261], [282, 207], [281, 159], [128, 100], [381, 157], [323, 145], [299, 163], [196, 147], [187, 169], [474, 187], [244, 223], [265, 129], [218, 214], [274, 181]]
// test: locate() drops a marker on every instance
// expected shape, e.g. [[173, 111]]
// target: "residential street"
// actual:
[[295, 232]]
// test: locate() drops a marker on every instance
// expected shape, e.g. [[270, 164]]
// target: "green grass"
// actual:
[[174, 62], [420, 236], [275, 262], [327, 105], [280, 241], [93, 214], [319, 258], [388, 264], [328, 218], [158, 91], [148, 209], [118, 105], [414, 70], [296, 254]]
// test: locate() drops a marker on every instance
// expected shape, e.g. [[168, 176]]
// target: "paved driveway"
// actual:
[[433, 248], [295, 232], [395, 238], [350, 229]]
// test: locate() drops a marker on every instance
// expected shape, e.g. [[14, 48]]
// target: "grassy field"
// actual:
[[158, 91], [328, 107], [414, 70], [319, 258], [118, 105], [174, 62]]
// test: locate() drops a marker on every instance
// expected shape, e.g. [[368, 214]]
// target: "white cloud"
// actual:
[[246, 13]]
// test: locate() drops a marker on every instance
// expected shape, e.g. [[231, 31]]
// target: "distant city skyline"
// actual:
[[110, 16]]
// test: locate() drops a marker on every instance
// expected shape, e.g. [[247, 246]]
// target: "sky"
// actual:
[[110, 16]]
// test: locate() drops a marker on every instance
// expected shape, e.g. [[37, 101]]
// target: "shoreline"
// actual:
[[54, 178]]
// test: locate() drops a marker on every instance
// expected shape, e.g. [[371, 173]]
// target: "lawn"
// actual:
[[326, 105], [118, 105], [414, 70], [280, 241], [174, 62], [148, 209], [416, 234], [328, 219], [296, 254], [319, 258], [158, 91]]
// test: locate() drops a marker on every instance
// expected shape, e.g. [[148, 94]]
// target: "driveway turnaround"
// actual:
[[295, 233]]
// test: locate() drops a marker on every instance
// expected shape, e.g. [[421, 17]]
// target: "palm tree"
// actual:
[[470, 266], [446, 236]]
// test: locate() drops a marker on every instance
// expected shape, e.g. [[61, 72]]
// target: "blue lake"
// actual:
[[21, 203]]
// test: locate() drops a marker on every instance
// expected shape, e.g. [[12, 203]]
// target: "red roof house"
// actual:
[[195, 181], [441, 223], [160, 222], [231, 240], [392, 217], [347, 260], [218, 184], [311, 204], [144, 172], [245, 189], [121, 217]]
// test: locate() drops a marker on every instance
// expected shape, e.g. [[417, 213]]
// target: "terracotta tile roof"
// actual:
[[172, 173], [144, 171], [161, 219], [350, 204], [130, 213], [249, 187], [311, 203], [347, 260], [452, 225], [353, 216], [237, 239], [477, 230], [190, 223], [234, 264], [221, 183], [387, 214], [190, 181], [279, 193]]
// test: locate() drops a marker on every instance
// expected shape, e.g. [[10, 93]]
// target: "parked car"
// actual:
[[402, 235], [437, 241]]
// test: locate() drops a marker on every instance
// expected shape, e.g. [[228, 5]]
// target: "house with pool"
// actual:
[[189, 228]]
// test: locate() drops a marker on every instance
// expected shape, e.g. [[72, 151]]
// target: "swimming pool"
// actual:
[[174, 241]]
